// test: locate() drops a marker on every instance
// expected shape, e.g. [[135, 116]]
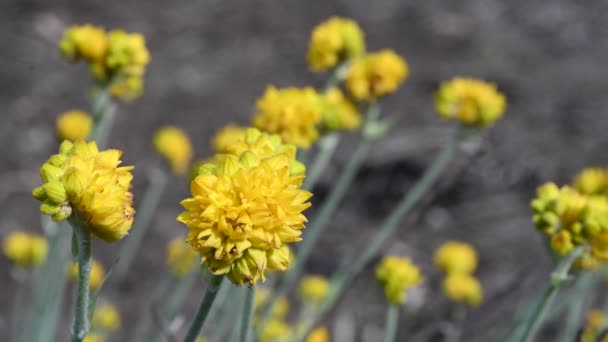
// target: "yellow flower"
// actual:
[[88, 186], [561, 242], [292, 113], [594, 323], [245, 209], [472, 102], [98, 274], [333, 41], [313, 288], [592, 181], [397, 275], [25, 249], [92, 337], [456, 257], [275, 330], [320, 334], [128, 88], [127, 53], [180, 257], [174, 144], [463, 288], [227, 137], [376, 74], [280, 307], [86, 41], [106, 318], [74, 125], [338, 112]]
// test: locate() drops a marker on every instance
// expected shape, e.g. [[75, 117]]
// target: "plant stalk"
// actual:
[[203, 310], [248, 309], [392, 318], [81, 319]]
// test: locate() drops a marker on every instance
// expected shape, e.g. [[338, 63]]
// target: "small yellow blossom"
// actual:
[[456, 257], [595, 321], [86, 185], [93, 337], [245, 209], [274, 331], [376, 74], [74, 125], [292, 113], [128, 88], [397, 275], [561, 242], [320, 334], [463, 288], [25, 249], [592, 181], [472, 102], [338, 112], [313, 288], [174, 144], [180, 257], [106, 318], [86, 41], [228, 137], [334, 41], [98, 274]]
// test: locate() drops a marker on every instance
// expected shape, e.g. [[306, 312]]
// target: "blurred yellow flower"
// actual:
[[88, 186], [174, 144], [106, 318], [313, 288], [320, 334], [463, 288], [85, 41], [93, 337], [280, 307], [274, 331], [244, 211], [98, 274], [338, 112], [376, 74], [333, 41], [397, 275], [472, 102], [592, 181], [180, 257], [594, 322], [74, 125], [227, 137], [25, 249], [292, 113], [456, 257]]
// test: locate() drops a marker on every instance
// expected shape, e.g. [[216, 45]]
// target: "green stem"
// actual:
[[103, 116], [348, 270], [248, 309], [21, 276], [145, 213], [203, 310], [81, 319], [558, 278], [337, 76], [327, 147], [458, 318], [576, 306], [392, 318], [227, 314], [328, 208]]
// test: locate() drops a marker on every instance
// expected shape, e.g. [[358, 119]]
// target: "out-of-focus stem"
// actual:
[[81, 318], [248, 308], [327, 146], [392, 318]]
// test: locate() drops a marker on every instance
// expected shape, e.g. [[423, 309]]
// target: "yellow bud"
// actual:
[[248, 159], [74, 125], [39, 193], [49, 208], [561, 242], [55, 191], [279, 258], [49, 172]]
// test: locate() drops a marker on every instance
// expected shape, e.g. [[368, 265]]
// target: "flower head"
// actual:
[[228, 137], [84, 184], [274, 330], [472, 102], [463, 288], [592, 181], [456, 257], [594, 323], [74, 125], [106, 318], [320, 334], [244, 210], [292, 113], [333, 41], [376, 74], [397, 275], [25, 249], [93, 337], [173, 144], [313, 288], [98, 274], [84, 42], [180, 257], [338, 112]]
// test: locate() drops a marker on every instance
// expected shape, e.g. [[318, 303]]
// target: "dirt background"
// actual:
[[212, 59]]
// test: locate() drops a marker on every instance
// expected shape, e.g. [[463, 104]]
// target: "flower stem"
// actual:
[[103, 115], [203, 310], [584, 285], [337, 75], [392, 318], [327, 146], [558, 278], [348, 270], [81, 319], [248, 308], [21, 277]]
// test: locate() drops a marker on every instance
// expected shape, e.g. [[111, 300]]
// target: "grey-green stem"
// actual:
[[245, 329], [81, 317], [203, 310], [327, 147], [392, 318]]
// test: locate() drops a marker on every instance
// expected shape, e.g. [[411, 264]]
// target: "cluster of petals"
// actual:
[[397, 275], [334, 41], [174, 145], [25, 249], [376, 74], [74, 125], [458, 260]]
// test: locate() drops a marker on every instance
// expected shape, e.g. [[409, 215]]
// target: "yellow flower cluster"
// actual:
[[116, 56], [106, 318], [84, 184], [376, 74], [458, 260], [180, 257], [314, 288], [25, 249], [276, 329], [246, 207], [292, 113], [320, 334], [338, 112], [592, 181], [98, 274], [472, 102], [228, 137], [570, 218], [74, 125], [334, 41], [397, 275], [93, 337], [174, 145], [596, 319]]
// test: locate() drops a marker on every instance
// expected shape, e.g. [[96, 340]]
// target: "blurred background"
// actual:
[[211, 59]]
